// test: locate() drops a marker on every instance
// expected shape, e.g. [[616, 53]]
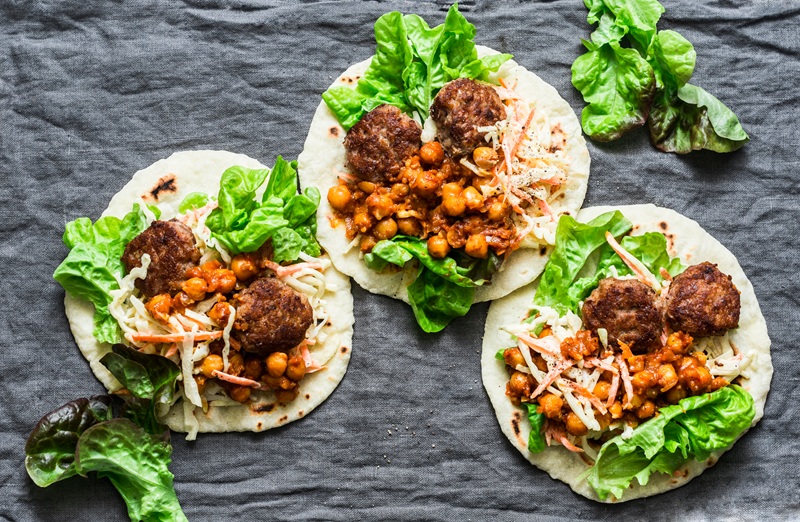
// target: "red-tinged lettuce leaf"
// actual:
[[692, 119], [50, 449], [618, 84], [136, 463]]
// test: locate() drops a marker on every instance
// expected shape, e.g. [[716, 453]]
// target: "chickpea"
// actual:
[[717, 383], [550, 405], [385, 228], [513, 357], [367, 186], [432, 153], [243, 267], [253, 368], [276, 363], [210, 266], [438, 247], [362, 221], [195, 288], [400, 191], [701, 358], [519, 385], [485, 157], [194, 272], [636, 364], [646, 410], [240, 393], [296, 368], [160, 307], [225, 281], [210, 364], [473, 198], [615, 410], [339, 197], [454, 205], [697, 378], [284, 396], [181, 301], [575, 425], [477, 246], [236, 364], [675, 394], [380, 205], [497, 210], [667, 378], [425, 183], [220, 313], [601, 390], [409, 226], [643, 380], [367, 244]]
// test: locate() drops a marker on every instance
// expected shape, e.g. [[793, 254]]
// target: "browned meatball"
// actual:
[[170, 245], [629, 310], [459, 109], [270, 317], [379, 144], [703, 301]]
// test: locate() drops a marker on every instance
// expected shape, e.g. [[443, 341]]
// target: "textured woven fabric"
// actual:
[[92, 91]]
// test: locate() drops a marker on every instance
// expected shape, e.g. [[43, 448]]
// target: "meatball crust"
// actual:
[[378, 145], [703, 301], [270, 317], [459, 109], [172, 251], [629, 310]]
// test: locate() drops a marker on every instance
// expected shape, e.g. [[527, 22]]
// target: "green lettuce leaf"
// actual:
[[412, 62], [536, 441], [243, 222], [575, 242], [50, 449], [618, 84], [136, 463], [437, 301], [691, 430], [193, 201], [94, 263]]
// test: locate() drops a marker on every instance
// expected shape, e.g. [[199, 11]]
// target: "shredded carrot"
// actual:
[[172, 338], [543, 346], [626, 380], [626, 350], [311, 365], [586, 393], [612, 393], [634, 264], [551, 376], [241, 381], [283, 271], [171, 351]]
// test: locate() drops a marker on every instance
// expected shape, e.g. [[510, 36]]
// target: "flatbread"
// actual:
[[166, 183], [323, 157], [686, 239]]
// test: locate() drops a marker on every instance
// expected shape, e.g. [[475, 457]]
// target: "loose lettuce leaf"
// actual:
[[692, 429], [50, 449], [412, 62], [681, 117], [575, 242], [436, 301], [136, 463], [94, 263], [618, 84], [536, 441], [242, 222]]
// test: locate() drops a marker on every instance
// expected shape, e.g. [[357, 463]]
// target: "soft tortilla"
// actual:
[[166, 183], [694, 245], [323, 157]]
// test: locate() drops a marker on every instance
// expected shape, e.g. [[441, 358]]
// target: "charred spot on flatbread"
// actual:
[[334, 132], [263, 408], [343, 349], [662, 225], [308, 396], [542, 251], [165, 186]]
